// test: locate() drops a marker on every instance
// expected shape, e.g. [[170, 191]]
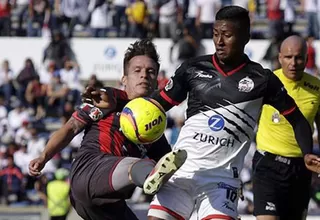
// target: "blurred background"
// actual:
[[51, 49]]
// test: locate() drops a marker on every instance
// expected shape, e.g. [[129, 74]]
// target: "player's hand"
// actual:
[[36, 165], [100, 98], [312, 162]]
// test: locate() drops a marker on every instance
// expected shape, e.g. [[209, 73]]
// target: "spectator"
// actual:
[[23, 134], [169, 12], [94, 82], [22, 158], [27, 74], [206, 16], [21, 11], [120, 17], [186, 47], [39, 15], [137, 14], [3, 109], [162, 79], [35, 96], [12, 180], [71, 13], [70, 76], [310, 8], [191, 16], [47, 74], [58, 50], [36, 143], [40, 186], [56, 93], [271, 54], [17, 116], [99, 22], [153, 19], [58, 196], [275, 17], [6, 133], [6, 77], [289, 16], [5, 18], [311, 66]]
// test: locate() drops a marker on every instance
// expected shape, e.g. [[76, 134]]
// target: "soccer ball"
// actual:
[[143, 120]]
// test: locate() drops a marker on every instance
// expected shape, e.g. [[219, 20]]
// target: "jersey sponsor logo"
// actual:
[[169, 85], [201, 75], [223, 142], [270, 206], [216, 123], [245, 85], [95, 114], [275, 117], [313, 87]]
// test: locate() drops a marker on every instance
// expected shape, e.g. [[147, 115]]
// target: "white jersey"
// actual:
[[218, 140], [223, 109]]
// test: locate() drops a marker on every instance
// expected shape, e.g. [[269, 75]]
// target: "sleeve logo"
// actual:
[[169, 85], [95, 114]]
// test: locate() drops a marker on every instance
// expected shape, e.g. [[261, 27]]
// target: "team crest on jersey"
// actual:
[[276, 117], [169, 85], [245, 85], [95, 114]]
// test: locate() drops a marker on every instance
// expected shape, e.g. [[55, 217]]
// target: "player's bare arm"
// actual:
[[58, 141]]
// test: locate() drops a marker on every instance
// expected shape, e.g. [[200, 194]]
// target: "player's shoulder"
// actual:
[[258, 68], [189, 65], [311, 79], [195, 61]]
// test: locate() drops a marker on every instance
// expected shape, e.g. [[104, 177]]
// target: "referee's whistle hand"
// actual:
[[312, 162]]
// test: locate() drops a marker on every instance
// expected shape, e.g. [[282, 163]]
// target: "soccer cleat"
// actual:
[[163, 170]]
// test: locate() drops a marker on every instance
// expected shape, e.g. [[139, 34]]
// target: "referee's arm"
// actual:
[[317, 121]]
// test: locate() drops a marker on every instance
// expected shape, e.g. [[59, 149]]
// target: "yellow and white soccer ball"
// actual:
[[143, 120]]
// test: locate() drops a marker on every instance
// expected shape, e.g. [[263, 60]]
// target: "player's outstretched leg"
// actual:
[[163, 170]]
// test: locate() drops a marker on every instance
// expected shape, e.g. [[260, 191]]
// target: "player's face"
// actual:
[[141, 78], [293, 60], [228, 41]]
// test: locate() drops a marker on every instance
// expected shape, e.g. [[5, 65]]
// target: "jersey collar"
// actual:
[[225, 71]]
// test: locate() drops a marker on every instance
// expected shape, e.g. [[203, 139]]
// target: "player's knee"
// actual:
[[139, 170]]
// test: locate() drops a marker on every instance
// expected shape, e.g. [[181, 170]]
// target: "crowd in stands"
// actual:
[[152, 18], [34, 103]]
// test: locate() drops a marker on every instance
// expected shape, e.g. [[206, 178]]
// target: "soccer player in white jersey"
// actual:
[[225, 93]]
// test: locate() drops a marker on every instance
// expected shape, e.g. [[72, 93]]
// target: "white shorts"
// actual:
[[195, 198]]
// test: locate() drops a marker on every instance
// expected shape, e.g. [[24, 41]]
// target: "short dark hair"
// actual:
[[143, 47], [237, 15]]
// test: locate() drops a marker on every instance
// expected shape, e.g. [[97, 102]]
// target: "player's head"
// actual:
[[141, 67], [231, 32], [293, 57]]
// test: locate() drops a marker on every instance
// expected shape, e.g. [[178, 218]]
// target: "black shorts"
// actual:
[[281, 186], [92, 194]]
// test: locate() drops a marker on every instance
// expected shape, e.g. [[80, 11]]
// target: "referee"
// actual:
[[281, 181]]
